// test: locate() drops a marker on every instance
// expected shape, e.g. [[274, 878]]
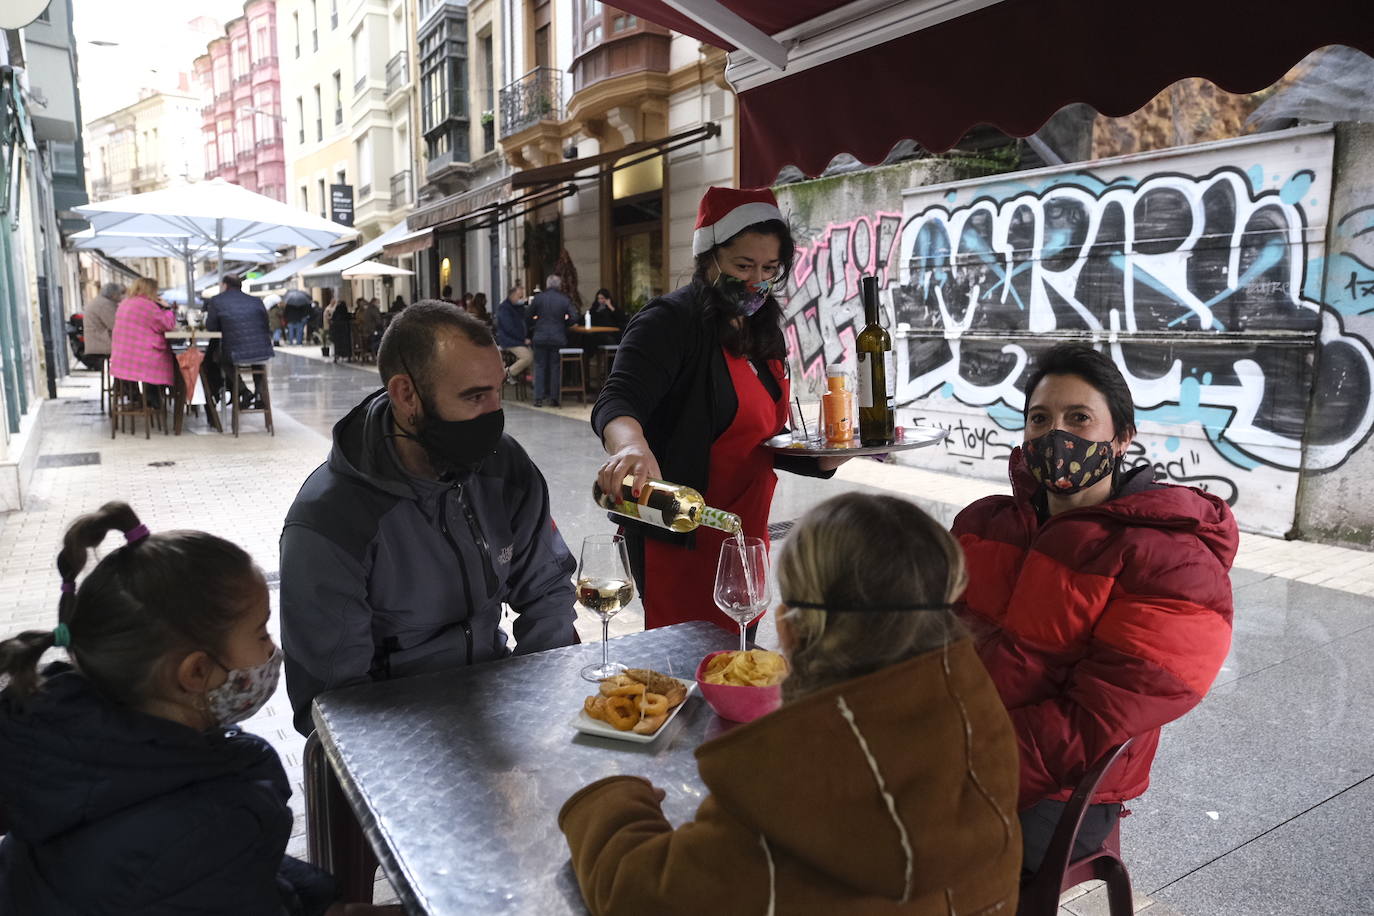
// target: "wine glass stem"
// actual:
[[605, 643], [743, 647]]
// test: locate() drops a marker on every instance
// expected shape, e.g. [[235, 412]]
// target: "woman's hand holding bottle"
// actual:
[[629, 455]]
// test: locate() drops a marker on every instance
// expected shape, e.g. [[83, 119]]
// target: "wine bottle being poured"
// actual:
[[667, 505]]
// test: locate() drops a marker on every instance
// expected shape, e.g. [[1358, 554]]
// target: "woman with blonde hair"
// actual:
[[890, 735], [139, 351]]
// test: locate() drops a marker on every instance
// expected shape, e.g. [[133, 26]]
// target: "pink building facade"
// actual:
[[241, 119]]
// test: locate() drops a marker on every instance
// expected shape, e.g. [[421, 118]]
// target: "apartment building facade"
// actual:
[[152, 144], [241, 114]]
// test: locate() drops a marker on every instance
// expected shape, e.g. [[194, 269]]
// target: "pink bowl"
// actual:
[[738, 704]]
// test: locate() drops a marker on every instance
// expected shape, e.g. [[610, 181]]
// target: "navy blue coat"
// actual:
[[113, 811], [549, 315], [243, 320]]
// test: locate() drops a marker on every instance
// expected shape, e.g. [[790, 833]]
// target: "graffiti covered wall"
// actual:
[[1199, 270]]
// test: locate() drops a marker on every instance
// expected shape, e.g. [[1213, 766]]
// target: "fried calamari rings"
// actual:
[[653, 704], [622, 713]]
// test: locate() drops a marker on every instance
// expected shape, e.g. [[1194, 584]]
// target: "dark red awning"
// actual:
[[1011, 65]]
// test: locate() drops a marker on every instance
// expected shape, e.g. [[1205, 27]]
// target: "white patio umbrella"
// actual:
[[368, 269], [186, 249], [215, 212]]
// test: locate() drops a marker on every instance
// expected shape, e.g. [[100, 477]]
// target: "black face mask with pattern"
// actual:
[[1064, 463]]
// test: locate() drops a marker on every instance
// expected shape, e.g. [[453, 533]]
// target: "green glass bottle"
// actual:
[[876, 376]]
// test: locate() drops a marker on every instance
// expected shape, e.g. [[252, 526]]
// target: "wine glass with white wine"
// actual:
[[742, 581], [604, 587]]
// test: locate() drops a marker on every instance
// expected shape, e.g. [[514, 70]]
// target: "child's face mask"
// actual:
[[245, 690]]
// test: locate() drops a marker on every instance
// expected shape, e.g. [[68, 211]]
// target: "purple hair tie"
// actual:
[[136, 534], [68, 588]]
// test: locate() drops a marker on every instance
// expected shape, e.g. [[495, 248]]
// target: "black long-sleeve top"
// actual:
[[671, 376]]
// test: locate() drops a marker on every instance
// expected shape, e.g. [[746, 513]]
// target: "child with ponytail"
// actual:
[[125, 786]]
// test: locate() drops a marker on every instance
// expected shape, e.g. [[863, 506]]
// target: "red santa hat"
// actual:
[[726, 211]]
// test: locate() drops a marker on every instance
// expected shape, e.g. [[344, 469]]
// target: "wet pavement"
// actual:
[[1260, 799]]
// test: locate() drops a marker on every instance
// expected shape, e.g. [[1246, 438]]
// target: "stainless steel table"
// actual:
[[457, 777]]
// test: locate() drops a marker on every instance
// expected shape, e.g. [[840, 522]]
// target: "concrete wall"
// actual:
[[1336, 501], [1200, 270]]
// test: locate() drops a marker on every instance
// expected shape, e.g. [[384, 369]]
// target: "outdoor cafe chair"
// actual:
[[259, 373], [1040, 894]]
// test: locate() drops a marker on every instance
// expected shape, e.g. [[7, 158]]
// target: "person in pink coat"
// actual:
[[138, 350]]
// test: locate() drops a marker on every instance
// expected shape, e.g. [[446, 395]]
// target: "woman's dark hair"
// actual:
[[760, 337], [479, 305], [169, 591], [605, 292], [1098, 370]]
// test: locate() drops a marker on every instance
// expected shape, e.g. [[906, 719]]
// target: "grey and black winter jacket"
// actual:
[[385, 575]]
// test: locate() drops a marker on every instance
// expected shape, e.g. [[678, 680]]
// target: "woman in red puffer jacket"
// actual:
[[1100, 599]]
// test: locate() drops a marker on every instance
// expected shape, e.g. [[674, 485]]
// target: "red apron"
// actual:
[[680, 583]]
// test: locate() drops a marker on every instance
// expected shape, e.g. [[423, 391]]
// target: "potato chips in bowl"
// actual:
[[742, 686]]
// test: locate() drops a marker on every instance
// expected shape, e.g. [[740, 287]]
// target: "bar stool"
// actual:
[[259, 374], [571, 356], [133, 400], [607, 360]]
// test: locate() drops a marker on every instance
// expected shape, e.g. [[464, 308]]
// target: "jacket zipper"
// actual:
[[466, 623]]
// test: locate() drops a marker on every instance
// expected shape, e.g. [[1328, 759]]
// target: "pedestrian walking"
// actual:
[[296, 307], [340, 330], [276, 319], [551, 313], [125, 782]]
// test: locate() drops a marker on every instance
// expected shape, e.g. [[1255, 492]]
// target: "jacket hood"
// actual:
[[883, 784], [1141, 500], [360, 447], [68, 757]]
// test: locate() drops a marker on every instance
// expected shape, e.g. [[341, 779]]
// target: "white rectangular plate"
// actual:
[[589, 726]]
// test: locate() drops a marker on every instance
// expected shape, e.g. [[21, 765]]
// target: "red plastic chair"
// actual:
[[1040, 895]]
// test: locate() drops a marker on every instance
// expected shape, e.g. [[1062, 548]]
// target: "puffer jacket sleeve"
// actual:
[[629, 859], [1151, 656]]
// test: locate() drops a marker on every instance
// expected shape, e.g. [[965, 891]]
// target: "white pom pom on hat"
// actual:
[[726, 211]]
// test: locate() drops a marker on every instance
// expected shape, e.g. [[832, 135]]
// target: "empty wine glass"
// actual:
[[742, 581], [604, 587]]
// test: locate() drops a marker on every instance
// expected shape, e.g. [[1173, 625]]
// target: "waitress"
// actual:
[[700, 381]]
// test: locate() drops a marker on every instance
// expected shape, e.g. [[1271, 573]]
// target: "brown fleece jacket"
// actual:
[[798, 822]]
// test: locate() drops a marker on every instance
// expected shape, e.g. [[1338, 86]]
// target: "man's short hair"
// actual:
[[232, 281], [511, 291], [554, 281], [112, 291], [408, 344]]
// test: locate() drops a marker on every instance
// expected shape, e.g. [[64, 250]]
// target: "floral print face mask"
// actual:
[[1064, 463], [245, 691], [747, 297]]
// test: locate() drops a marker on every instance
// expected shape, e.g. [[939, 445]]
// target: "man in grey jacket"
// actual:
[[400, 550]]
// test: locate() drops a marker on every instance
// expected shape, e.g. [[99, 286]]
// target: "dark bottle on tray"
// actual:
[[876, 376]]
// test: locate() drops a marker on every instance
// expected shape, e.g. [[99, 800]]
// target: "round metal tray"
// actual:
[[912, 437]]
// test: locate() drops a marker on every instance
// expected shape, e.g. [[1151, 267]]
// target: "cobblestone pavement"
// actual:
[[1220, 832]]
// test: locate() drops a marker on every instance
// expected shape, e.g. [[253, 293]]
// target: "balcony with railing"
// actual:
[[360, 84], [100, 188], [338, 115], [400, 188], [397, 72], [536, 96]]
